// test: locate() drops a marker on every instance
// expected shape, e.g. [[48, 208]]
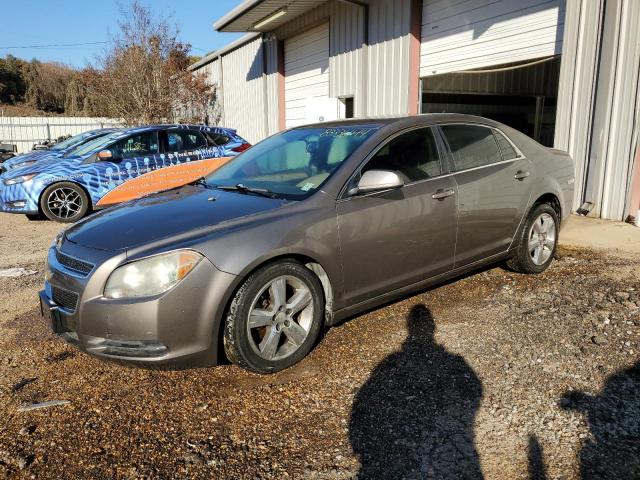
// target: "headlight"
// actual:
[[58, 240], [151, 276], [20, 179]]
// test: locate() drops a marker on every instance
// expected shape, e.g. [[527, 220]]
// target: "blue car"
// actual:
[[117, 167], [56, 151]]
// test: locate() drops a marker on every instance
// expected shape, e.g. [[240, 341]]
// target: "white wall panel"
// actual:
[[25, 131], [243, 91], [387, 79], [468, 34]]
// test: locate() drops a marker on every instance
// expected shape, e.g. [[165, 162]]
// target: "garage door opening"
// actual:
[[522, 95]]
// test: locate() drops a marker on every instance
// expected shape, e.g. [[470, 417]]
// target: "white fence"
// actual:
[[25, 131]]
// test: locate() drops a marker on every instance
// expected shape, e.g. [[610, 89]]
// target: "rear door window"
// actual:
[[413, 155], [472, 146], [184, 140]]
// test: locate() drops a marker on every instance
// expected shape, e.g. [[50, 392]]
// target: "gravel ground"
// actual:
[[496, 375]]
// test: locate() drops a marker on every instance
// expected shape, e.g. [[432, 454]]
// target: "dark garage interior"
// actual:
[[522, 95]]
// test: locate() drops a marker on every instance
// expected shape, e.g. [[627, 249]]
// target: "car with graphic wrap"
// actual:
[[56, 151], [117, 167]]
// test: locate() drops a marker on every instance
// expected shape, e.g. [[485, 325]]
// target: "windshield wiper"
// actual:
[[201, 181], [242, 188]]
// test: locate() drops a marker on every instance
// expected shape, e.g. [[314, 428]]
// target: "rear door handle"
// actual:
[[521, 175], [442, 194]]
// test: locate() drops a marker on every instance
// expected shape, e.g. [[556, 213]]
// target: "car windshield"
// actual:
[[295, 163], [72, 141], [93, 145]]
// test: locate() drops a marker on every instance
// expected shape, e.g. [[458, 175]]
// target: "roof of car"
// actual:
[[426, 118], [143, 128]]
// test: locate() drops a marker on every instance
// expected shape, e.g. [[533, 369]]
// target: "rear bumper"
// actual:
[[179, 327]]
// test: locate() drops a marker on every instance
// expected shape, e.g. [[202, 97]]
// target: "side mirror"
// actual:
[[376, 181], [105, 155]]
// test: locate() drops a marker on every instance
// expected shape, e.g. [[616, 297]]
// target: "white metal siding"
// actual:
[[306, 72], [576, 89], [387, 79], [467, 34], [615, 115], [243, 91], [272, 86], [598, 117], [346, 42], [346, 52], [25, 131]]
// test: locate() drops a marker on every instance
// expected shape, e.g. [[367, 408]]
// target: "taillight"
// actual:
[[241, 148]]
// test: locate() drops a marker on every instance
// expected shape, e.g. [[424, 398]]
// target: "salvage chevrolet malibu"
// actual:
[[308, 227]]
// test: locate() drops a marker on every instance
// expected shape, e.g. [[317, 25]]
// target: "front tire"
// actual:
[[538, 241], [64, 202], [275, 318]]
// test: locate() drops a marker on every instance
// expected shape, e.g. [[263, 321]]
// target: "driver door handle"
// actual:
[[441, 194], [521, 175]]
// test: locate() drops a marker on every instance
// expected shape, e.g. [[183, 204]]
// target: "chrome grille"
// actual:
[[73, 264], [65, 298]]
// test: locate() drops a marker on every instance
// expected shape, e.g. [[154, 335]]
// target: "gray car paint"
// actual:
[[372, 248]]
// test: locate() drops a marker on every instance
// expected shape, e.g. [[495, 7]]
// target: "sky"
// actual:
[[28, 23]]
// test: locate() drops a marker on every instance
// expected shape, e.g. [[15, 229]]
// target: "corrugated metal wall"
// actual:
[[346, 54], [477, 33], [271, 87], [346, 38], [598, 106], [25, 131], [377, 76], [243, 91], [615, 148], [388, 57]]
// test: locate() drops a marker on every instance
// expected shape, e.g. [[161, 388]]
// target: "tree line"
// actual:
[[141, 77]]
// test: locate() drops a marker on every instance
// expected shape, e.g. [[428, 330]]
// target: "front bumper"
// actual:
[[178, 327], [19, 198]]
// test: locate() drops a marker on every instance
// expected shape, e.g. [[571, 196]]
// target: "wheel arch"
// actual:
[[549, 198], [309, 262], [552, 199]]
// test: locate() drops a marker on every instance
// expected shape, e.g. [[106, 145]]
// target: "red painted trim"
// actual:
[[414, 55], [282, 123], [634, 199]]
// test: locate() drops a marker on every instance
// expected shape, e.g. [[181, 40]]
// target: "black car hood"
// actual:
[[164, 215]]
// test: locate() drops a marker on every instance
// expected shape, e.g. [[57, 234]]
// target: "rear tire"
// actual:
[[275, 318], [538, 241], [64, 202]]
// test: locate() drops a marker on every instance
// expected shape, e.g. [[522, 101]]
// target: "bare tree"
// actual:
[[144, 72]]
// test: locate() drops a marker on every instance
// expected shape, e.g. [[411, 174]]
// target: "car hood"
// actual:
[[31, 156], [167, 214], [44, 165]]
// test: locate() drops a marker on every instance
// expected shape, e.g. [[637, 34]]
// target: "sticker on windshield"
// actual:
[[344, 132], [307, 186]]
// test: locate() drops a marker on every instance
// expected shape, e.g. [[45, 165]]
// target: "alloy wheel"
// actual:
[[64, 203], [280, 318], [542, 239]]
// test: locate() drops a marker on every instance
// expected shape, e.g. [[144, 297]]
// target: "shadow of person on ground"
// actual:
[[613, 451], [414, 417]]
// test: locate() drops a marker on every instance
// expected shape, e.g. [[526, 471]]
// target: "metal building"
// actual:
[[563, 71]]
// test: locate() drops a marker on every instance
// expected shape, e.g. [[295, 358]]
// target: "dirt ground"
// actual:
[[495, 375]]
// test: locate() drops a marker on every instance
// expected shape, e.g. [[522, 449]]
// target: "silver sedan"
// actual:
[[307, 228]]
